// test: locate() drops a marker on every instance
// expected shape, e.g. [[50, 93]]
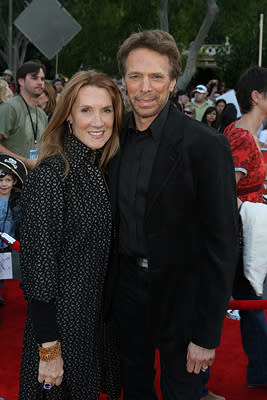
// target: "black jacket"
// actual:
[[191, 226]]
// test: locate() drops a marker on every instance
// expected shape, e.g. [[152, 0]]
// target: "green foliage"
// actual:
[[239, 21], [106, 23]]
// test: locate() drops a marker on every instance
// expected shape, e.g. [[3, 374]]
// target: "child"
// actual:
[[12, 175]]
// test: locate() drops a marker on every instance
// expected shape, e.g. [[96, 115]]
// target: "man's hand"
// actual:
[[198, 357]]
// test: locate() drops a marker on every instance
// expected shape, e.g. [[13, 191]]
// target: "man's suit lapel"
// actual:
[[169, 154]]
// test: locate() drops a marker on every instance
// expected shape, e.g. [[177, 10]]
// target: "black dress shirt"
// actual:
[[137, 161]]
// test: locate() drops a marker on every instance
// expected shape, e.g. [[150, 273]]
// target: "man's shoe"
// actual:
[[212, 396]]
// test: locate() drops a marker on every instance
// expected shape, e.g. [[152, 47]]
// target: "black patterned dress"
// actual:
[[65, 243]]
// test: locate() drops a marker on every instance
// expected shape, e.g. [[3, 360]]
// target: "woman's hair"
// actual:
[[208, 111], [228, 115], [5, 92], [220, 101], [254, 78], [50, 92], [52, 138], [156, 40]]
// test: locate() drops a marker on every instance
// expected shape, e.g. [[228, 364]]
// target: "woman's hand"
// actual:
[[51, 371]]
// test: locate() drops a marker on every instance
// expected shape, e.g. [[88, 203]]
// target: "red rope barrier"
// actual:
[[247, 304]]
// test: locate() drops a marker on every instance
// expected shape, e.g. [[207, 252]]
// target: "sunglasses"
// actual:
[[188, 112]]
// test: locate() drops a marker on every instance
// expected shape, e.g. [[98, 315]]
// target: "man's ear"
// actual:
[[21, 82]]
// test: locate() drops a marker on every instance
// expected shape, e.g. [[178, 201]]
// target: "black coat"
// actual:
[[191, 228]]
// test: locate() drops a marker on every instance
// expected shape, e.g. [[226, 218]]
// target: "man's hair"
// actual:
[[29, 67], [254, 78], [156, 40]]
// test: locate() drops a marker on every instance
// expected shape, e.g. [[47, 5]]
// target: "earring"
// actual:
[[70, 127]]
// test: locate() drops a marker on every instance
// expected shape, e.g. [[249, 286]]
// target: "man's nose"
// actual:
[[146, 84]]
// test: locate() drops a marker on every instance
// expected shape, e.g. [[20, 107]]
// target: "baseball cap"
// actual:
[[200, 89]]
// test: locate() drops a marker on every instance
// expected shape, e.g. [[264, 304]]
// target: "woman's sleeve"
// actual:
[[242, 152], [42, 206]]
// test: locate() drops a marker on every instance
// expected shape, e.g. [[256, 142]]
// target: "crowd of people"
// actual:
[[129, 223]]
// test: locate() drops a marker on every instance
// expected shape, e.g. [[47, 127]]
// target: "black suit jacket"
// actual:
[[191, 227]]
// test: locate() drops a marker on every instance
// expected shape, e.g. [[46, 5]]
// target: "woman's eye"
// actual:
[[108, 110]]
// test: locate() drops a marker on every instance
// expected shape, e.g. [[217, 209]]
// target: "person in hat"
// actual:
[[200, 101], [8, 77], [12, 175]]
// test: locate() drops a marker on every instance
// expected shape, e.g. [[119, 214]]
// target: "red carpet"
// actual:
[[227, 374]]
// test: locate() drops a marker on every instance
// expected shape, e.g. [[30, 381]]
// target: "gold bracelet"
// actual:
[[49, 353]]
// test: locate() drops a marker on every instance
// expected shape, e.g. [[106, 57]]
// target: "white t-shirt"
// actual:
[[263, 136]]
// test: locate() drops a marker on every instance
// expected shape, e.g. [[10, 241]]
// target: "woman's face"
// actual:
[[92, 116], [188, 112], [42, 100], [220, 106], [211, 117]]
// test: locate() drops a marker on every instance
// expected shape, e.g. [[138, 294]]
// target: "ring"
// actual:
[[204, 368], [47, 386]]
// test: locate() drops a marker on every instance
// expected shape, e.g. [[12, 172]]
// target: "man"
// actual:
[[200, 101], [58, 85], [173, 194], [21, 121]]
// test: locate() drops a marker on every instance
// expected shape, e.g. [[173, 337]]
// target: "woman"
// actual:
[[227, 116], [65, 246], [47, 100], [5, 92], [210, 117], [190, 111], [250, 174], [220, 105]]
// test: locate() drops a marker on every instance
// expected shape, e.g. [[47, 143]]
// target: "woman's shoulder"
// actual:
[[48, 173], [238, 136]]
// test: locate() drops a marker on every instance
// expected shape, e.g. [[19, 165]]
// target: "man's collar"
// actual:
[[155, 127]]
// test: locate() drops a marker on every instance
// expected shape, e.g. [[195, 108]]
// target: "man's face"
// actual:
[[8, 78], [58, 86], [147, 80], [200, 97], [32, 84]]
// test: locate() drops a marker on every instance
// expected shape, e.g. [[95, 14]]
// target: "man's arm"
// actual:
[[30, 164], [218, 218]]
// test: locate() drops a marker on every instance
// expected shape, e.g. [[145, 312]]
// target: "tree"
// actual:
[[20, 42], [190, 68], [163, 16]]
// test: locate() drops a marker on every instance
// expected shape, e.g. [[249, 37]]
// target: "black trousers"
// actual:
[[131, 313]]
